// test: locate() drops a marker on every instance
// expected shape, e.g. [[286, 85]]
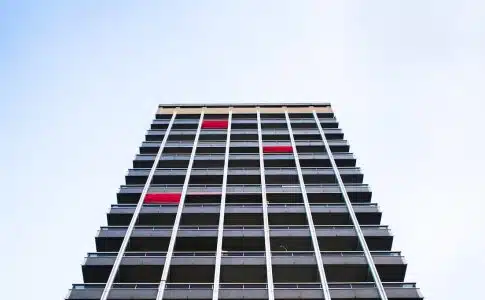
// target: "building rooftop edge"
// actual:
[[195, 105]]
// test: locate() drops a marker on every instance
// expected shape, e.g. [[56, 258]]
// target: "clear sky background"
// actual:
[[80, 82]]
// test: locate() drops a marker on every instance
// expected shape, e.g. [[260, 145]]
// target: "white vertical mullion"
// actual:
[[131, 226], [360, 234], [267, 241], [316, 247], [173, 237], [220, 228]]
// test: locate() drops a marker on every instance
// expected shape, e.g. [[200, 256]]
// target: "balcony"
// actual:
[[243, 214], [243, 238], [144, 267], [245, 123], [245, 175], [241, 134], [316, 192], [339, 266], [257, 291], [238, 146], [244, 160], [304, 123]]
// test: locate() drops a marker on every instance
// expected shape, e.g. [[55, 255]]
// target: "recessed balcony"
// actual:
[[243, 214], [244, 134], [275, 193], [203, 238], [244, 175], [240, 146], [256, 291], [244, 266], [330, 122], [311, 160]]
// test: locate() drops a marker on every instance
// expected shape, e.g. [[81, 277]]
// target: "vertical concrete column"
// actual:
[[267, 241], [134, 218], [173, 237], [348, 203], [316, 247], [222, 210]]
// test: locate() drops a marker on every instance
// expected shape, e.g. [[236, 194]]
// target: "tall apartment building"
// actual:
[[248, 201]]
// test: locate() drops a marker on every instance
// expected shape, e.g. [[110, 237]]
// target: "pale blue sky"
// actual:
[[81, 80]]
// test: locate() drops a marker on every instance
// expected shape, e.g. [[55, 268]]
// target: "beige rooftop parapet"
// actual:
[[246, 109]]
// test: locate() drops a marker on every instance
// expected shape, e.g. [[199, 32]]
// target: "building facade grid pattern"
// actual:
[[270, 205]]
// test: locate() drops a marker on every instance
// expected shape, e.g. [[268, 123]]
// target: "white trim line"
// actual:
[[316, 247], [134, 218], [267, 240], [173, 237], [360, 234], [222, 211]]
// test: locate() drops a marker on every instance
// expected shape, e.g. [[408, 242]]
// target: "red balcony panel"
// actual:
[[277, 149], [215, 124], [163, 198]]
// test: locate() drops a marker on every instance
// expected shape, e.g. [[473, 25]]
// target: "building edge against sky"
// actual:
[[254, 201]]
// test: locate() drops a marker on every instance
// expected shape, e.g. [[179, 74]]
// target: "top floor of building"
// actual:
[[323, 109]]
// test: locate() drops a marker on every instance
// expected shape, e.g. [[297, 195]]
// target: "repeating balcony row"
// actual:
[[251, 123], [341, 291], [248, 207], [240, 146], [246, 131], [244, 231], [248, 116], [244, 175], [245, 208], [236, 120], [232, 254], [245, 134], [243, 238], [244, 160], [240, 267], [243, 214], [329, 193]]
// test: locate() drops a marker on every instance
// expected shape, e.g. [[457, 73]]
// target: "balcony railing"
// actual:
[[245, 185], [242, 187], [245, 253], [244, 227], [242, 156], [283, 131], [268, 170], [189, 286], [243, 143], [250, 205], [251, 121]]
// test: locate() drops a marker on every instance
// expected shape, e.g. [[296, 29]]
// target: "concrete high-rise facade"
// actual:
[[244, 201]]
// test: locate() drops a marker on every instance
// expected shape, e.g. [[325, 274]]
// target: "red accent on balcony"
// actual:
[[215, 124], [163, 198], [277, 149]]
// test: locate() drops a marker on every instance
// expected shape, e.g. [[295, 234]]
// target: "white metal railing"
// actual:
[[237, 142], [141, 170], [273, 204], [244, 286], [340, 155], [190, 131], [245, 254], [248, 185], [243, 188], [241, 227]]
